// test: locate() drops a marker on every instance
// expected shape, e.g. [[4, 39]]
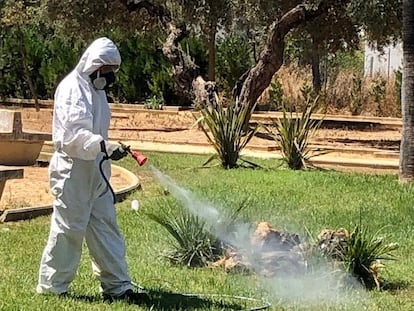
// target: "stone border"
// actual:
[[26, 213]]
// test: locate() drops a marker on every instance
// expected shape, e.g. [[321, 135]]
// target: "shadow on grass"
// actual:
[[395, 287], [165, 300], [84, 298]]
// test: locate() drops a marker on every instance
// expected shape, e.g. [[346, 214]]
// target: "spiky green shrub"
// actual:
[[365, 253], [226, 130], [360, 253], [193, 244], [292, 133], [197, 242]]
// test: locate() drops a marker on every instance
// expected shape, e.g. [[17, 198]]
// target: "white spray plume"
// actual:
[[321, 287], [204, 210]]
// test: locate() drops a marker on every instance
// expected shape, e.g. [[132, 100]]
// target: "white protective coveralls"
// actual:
[[83, 206]]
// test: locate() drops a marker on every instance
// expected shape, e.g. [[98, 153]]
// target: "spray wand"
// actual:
[[138, 157]]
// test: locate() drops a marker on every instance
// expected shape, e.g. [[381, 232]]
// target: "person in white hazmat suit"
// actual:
[[83, 207]]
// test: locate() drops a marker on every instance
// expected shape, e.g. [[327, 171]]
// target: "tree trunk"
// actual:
[[316, 72], [252, 84], [184, 70], [212, 54], [406, 174], [188, 84]]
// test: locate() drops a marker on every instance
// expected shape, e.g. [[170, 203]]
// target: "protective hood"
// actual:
[[101, 52], [81, 113]]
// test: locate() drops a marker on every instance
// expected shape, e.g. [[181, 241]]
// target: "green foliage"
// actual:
[[13, 51], [335, 36], [144, 71], [225, 128], [82, 21], [276, 101], [50, 55], [60, 56], [194, 245], [196, 242], [364, 253], [276, 93], [232, 60], [378, 92], [11, 73], [23, 32], [352, 59], [292, 135], [381, 19], [87, 20], [36, 53], [308, 94], [197, 49], [360, 254], [154, 102]]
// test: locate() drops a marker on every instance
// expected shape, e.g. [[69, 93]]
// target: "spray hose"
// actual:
[[138, 157], [108, 185], [262, 304]]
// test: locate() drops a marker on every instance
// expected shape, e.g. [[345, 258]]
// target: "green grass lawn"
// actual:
[[296, 201]]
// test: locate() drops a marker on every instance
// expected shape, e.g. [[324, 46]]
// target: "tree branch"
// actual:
[[271, 59], [184, 69], [153, 10]]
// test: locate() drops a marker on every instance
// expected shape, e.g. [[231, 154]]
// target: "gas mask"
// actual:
[[102, 81]]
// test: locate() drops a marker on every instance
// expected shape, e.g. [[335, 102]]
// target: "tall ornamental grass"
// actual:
[[225, 128], [292, 133]]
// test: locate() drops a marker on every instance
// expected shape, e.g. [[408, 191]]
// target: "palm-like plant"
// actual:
[[198, 241], [194, 245], [360, 253], [226, 130], [292, 135], [364, 253]]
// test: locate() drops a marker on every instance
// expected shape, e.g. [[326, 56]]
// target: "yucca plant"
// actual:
[[193, 244], [226, 130], [364, 255], [292, 134], [198, 241], [360, 253]]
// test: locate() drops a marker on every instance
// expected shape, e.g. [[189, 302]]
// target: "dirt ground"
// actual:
[[179, 127]]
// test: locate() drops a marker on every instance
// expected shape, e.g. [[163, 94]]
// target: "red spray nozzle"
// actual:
[[140, 158]]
